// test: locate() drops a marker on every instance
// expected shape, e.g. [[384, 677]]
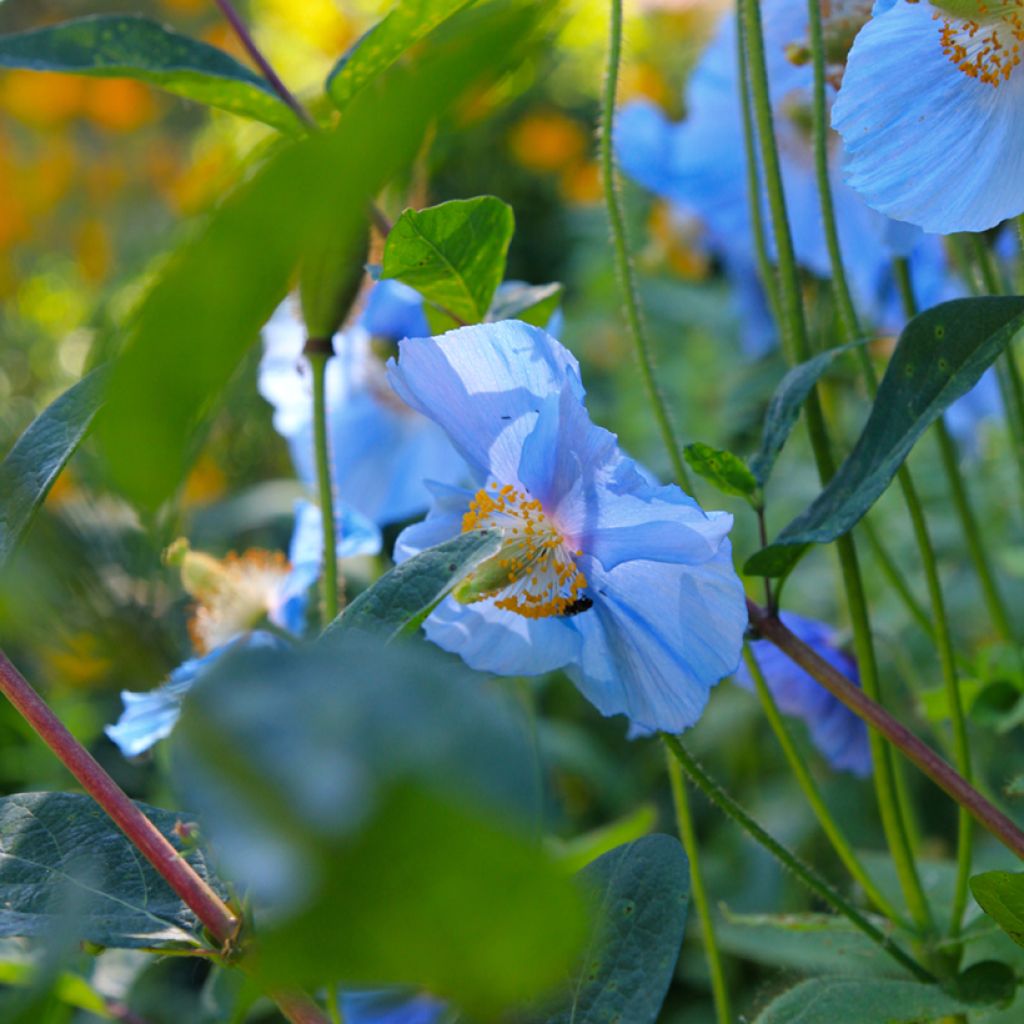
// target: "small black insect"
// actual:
[[581, 604]]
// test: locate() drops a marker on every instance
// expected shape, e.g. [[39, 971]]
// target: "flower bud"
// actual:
[[329, 279]]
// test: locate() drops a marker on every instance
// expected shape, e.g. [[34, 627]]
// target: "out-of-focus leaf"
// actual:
[[860, 1001], [532, 303], [376, 50], [986, 983], [127, 46], [38, 456], [784, 408], [642, 892], [941, 355], [576, 853], [452, 254], [386, 787], [52, 841], [1001, 895], [728, 472], [209, 302], [402, 598], [70, 989]]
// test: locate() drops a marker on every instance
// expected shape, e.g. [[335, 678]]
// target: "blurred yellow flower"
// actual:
[[41, 99], [119, 104], [78, 661], [205, 483], [548, 141]]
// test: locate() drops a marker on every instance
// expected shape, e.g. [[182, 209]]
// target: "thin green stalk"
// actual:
[[806, 783], [789, 860], [688, 836], [620, 248], [334, 1005], [798, 349], [318, 362], [958, 489]]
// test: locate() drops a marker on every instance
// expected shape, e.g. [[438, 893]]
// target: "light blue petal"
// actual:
[[923, 141], [658, 637], [394, 311], [282, 379], [391, 1006], [151, 716], [500, 642], [836, 731], [483, 385]]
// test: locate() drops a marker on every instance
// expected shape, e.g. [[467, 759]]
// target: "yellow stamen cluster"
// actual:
[[535, 574], [985, 47]]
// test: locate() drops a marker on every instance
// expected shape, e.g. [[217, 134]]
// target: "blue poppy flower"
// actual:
[[391, 1007], [628, 585], [836, 731], [394, 311], [381, 450], [931, 111], [151, 716], [700, 166]]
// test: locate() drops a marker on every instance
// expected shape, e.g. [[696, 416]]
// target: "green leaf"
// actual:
[[70, 989], [206, 308], [986, 983], [125, 46], [728, 472], [532, 303], [452, 254], [38, 456], [1001, 895], [785, 406], [642, 892], [402, 598], [386, 787], [576, 853], [57, 848], [407, 23], [940, 356], [860, 1001]]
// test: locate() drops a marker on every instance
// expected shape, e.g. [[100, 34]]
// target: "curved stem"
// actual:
[[688, 836], [798, 349], [803, 777], [620, 249], [770, 627], [322, 454], [789, 860]]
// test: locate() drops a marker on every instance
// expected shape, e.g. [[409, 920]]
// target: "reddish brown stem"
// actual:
[[848, 693], [151, 842]]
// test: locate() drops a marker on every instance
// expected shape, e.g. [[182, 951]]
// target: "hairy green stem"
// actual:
[[789, 860], [797, 346], [325, 488], [688, 836], [806, 783], [620, 249]]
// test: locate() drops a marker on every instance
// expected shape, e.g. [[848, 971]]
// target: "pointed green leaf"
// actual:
[[403, 597], [784, 408], [642, 892], [940, 356], [728, 472], [452, 254], [532, 303], [1001, 895], [64, 863], [126, 46], [38, 456], [860, 1001], [406, 24]]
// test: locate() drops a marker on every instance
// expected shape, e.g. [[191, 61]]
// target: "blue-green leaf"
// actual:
[[38, 456], [126, 46], [64, 863], [403, 597], [407, 23], [642, 893], [452, 254], [940, 356], [728, 472], [1001, 895]]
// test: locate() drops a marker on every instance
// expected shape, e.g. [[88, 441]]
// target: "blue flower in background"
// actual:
[[151, 716], [391, 1007], [931, 112], [836, 731], [628, 585], [381, 450], [700, 166], [394, 311]]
